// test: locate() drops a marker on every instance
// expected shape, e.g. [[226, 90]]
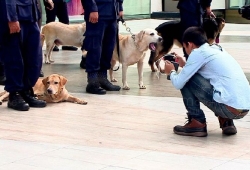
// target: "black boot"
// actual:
[[93, 85], [29, 97], [55, 48], [105, 83], [16, 102], [41, 74], [83, 63], [2, 74]]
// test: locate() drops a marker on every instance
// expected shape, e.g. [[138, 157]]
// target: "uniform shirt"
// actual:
[[107, 9], [20, 10], [230, 84]]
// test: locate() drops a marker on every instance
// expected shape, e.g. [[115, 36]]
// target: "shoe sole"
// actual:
[[196, 134]]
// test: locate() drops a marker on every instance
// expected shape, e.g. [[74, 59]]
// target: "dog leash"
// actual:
[[117, 39]]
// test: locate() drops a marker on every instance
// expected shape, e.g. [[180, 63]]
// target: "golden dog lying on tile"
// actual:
[[50, 89]]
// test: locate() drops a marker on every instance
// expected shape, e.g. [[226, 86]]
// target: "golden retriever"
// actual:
[[57, 33], [50, 89], [132, 50]]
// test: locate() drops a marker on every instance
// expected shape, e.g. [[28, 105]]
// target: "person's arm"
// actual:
[[120, 2]]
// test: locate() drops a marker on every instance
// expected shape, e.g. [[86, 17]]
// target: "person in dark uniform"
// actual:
[[100, 37], [61, 12], [21, 51], [49, 5], [191, 13]]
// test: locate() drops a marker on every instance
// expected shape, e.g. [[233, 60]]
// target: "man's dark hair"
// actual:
[[195, 35]]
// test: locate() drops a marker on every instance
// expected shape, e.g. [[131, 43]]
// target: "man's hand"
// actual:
[[168, 67], [51, 5], [121, 14], [210, 13], [14, 27], [93, 17], [180, 60]]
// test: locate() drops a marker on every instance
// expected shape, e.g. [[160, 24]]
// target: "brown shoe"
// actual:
[[227, 126], [192, 128]]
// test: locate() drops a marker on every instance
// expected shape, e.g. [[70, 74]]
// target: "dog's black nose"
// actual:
[[160, 39], [49, 91]]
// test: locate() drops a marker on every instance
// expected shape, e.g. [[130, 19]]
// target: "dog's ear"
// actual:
[[63, 80], [140, 35], [45, 80]]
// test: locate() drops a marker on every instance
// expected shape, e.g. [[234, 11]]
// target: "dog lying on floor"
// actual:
[[57, 33], [171, 34], [50, 89], [133, 50]]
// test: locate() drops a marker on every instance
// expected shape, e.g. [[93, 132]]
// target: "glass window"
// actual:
[[236, 3]]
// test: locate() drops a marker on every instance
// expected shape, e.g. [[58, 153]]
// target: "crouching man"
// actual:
[[213, 77]]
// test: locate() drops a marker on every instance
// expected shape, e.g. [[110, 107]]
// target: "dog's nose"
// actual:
[[49, 91], [160, 39]]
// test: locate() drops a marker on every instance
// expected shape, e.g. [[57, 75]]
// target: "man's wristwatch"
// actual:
[[168, 76]]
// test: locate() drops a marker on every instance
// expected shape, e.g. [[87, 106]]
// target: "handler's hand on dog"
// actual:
[[93, 17], [14, 27], [168, 67]]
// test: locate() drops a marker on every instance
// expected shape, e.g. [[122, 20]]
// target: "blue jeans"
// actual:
[[198, 89]]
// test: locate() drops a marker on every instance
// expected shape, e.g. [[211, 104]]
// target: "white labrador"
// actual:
[[57, 33], [132, 50]]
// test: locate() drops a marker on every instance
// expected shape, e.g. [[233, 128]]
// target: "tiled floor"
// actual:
[[126, 130]]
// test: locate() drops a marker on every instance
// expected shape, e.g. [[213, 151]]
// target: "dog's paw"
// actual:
[[51, 61], [82, 102], [113, 80], [142, 86], [126, 88], [47, 62]]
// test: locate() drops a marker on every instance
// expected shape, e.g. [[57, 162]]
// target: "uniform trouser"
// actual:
[[1, 68], [60, 11], [99, 42], [22, 58], [189, 19]]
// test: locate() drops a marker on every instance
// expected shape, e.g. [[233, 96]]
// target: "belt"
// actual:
[[237, 112]]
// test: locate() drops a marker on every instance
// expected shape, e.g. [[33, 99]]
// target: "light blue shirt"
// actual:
[[231, 86]]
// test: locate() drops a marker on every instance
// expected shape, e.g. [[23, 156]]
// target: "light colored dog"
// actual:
[[132, 50], [57, 33], [50, 89]]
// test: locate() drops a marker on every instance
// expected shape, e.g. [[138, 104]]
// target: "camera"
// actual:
[[245, 11]]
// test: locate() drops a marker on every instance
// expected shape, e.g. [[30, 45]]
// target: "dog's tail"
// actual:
[[42, 36]]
